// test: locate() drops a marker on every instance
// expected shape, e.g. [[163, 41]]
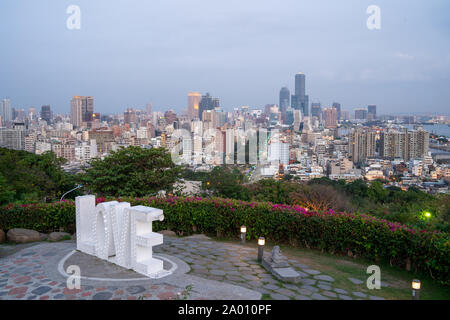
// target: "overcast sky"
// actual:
[[128, 53]]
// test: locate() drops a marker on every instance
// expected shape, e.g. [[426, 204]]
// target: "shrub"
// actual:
[[364, 235]]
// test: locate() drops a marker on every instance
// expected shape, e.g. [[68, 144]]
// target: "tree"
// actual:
[[33, 177], [320, 197], [7, 194], [131, 171], [226, 182]]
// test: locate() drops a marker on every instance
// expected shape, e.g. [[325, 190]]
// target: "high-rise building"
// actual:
[[285, 99], [362, 144], [404, 144], [316, 110], [194, 99], [87, 109], [149, 108], [372, 110], [300, 101], [13, 138], [5, 110], [207, 103], [289, 116], [170, 117], [360, 114], [330, 117], [129, 116], [76, 111], [81, 110], [337, 105], [46, 113]]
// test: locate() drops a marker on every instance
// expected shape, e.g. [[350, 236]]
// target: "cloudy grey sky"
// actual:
[[128, 53]]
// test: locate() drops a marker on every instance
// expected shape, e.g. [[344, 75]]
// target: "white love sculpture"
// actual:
[[119, 233]]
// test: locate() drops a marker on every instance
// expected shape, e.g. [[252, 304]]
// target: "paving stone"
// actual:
[[376, 298], [355, 281], [317, 296], [359, 294], [286, 292], [324, 278], [308, 281], [342, 291], [300, 297], [303, 274], [329, 294], [234, 278], [311, 271], [133, 289], [217, 272], [301, 266], [310, 288], [102, 296], [255, 283], [291, 286], [41, 290], [272, 287], [305, 292], [344, 297], [278, 296], [324, 287], [263, 291], [250, 277]]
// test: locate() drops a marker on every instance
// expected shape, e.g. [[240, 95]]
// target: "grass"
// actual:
[[342, 267]]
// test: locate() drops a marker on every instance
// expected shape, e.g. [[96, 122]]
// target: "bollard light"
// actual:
[[261, 243], [243, 234], [415, 289]]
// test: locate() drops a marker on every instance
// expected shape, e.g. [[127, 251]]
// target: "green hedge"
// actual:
[[363, 235]]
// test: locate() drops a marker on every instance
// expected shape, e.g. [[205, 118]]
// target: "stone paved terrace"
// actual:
[[217, 270]]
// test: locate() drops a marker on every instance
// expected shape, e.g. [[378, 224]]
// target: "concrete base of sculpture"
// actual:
[[277, 265]]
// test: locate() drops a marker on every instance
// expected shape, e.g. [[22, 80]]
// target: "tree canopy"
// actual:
[[131, 171], [28, 177]]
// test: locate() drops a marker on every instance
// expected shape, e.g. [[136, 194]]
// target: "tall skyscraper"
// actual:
[[207, 103], [300, 101], [289, 116], [76, 111], [129, 116], [5, 110], [87, 109], [81, 110], [149, 108], [285, 99], [316, 110], [194, 99], [46, 113], [372, 110], [360, 114], [337, 105], [330, 117]]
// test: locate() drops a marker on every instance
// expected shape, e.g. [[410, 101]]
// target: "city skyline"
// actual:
[[245, 63]]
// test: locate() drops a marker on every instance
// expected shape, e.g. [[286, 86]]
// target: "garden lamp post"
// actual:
[[415, 289], [77, 187], [261, 243], [243, 234]]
